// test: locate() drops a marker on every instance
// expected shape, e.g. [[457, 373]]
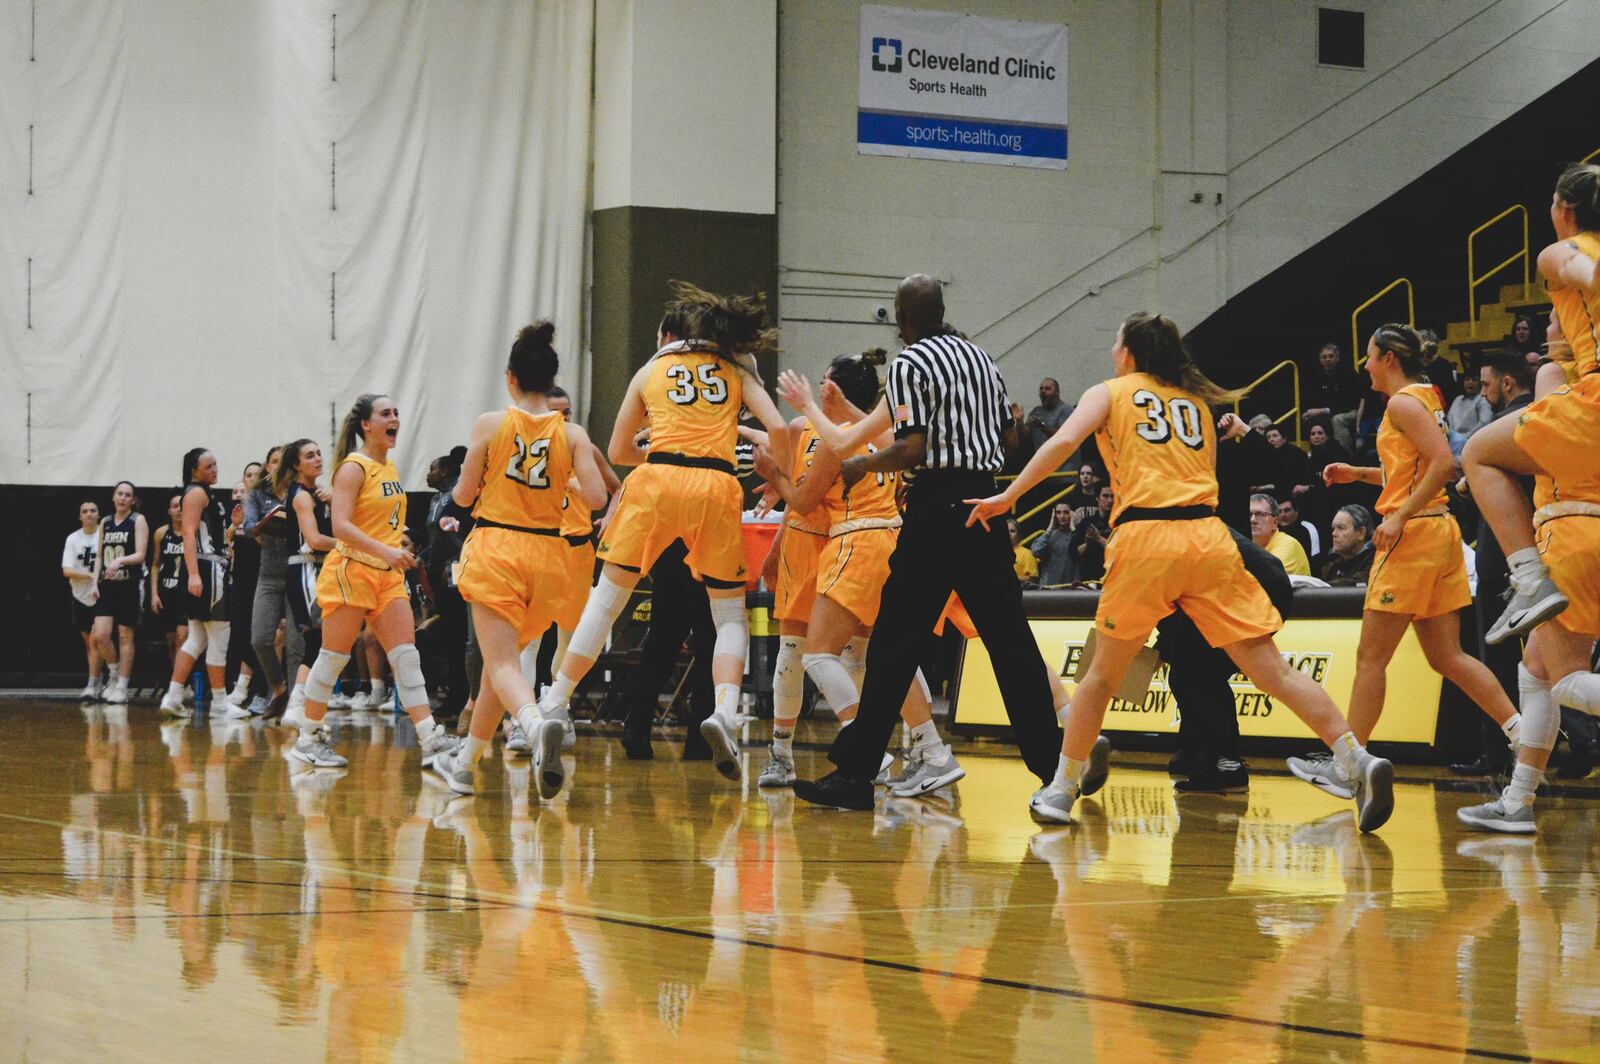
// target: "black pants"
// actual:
[[680, 610], [1494, 578], [543, 674], [936, 554], [1198, 674], [452, 641]]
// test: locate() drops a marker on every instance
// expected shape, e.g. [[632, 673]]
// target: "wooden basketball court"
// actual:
[[180, 892]]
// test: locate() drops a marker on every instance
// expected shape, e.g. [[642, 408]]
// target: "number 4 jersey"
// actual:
[[693, 400], [526, 471], [1159, 446]]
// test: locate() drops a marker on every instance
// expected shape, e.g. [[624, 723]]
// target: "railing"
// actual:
[[1473, 278], [1358, 350], [1592, 156], [1051, 500], [1293, 413]]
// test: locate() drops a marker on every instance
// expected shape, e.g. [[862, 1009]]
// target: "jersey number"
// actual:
[[712, 388], [394, 518], [1177, 417], [527, 466]]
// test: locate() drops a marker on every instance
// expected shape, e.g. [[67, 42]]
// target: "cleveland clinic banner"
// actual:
[[937, 85]]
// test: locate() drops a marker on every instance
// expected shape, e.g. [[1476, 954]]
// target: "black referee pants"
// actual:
[[936, 554]]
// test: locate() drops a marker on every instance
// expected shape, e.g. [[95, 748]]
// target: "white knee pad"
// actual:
[[788, 679], [1541, 720], [854, 657], [828, 673], [599, 614], [216, 643], [325, 672], [194, 644], [733, 627], [1580, 690], [406, 664]]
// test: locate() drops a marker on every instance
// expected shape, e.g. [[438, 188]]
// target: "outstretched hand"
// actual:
[[1338, 473], [1231, 426], [794, 389], [983, 509]]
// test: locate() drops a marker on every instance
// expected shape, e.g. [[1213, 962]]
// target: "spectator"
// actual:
[[1350, 560], [1290, 521], [1269, 537], [1023, 561], [1090, 478], [1333, 395], [1524, 337], [1325, 449], [1507, 382], [1470, 411], [1241, 463], [1089, 538], [1049, 415], [1441, 374], [1053, 549], [1287, 467]]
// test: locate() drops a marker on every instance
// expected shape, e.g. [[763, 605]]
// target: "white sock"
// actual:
[[1525, 565], [727, 701], [560, 690], [426, 728], [1347, 755], [1068, 772], [1512, 727], [783, 741], [475, 748], [1525, 780], [379, 690], [298, 691], [925, 737], [174, 688]]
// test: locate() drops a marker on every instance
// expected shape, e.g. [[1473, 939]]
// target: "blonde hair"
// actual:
[[350, 429]]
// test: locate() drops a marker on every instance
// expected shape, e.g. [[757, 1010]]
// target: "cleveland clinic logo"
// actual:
[[886, 54]]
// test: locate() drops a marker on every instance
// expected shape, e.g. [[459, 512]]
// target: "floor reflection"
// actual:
[[190, 882]]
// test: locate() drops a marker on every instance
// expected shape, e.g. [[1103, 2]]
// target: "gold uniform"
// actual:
[[1424, 574], [863, 529], [515, 561], [804, 536], [686, 490], [1168, 549], [350, 576]]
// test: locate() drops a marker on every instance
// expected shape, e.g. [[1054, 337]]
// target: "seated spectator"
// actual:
[[1325, 450], [1090, 480], [1022, 559], [1290, 521], [1441, 373], [1053, 549], [1350, 560], [1332, 395], [1089, 538], [1524, 337], [1470, 411], [1269, 537], [1286, 469]]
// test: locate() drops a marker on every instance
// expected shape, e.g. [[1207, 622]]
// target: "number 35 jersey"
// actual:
[[526, 471], [1159, 446], [380, 509], [693, 399]]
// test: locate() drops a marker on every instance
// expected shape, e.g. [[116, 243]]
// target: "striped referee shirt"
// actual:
[[952, 391]]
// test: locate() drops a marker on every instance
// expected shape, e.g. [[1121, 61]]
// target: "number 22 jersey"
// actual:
[[1159, 446]]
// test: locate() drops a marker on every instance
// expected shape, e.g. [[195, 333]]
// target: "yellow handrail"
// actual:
[[1051, 501], [1473, 280], [1592, 156], [1357, 348], [1293, 413]]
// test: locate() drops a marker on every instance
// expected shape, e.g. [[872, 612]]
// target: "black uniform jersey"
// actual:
[[118, 539]]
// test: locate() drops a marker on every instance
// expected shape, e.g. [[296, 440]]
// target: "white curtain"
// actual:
[[244, 215]]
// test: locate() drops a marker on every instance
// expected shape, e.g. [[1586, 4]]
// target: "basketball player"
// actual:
[[513, 568], [1170, 549], [363, 581], [1556, 434], [690, 393], [166, 579], [848, 576], [119, 575], [203, 525], [1419, 575], [310, 538], [77, 565]]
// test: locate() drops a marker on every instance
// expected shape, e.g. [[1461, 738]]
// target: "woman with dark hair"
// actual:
[[119, 576], [1171, 551], [1524, 337], [513, 566], [167, 595], [267, 520], [308, 539], [690, 393], [1418, 579], [443, 548], [77, 565], [244, 570], [203, 527]]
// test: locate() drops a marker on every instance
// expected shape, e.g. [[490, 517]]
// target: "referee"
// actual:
[[949, 409]]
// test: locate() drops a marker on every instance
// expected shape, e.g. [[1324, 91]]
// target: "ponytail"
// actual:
[[857, 378], [350, 428], [286, 472], [191, 460], [1157, 349]]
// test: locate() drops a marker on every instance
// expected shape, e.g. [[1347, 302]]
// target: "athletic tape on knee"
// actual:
[[217, 633], [854, 657], [194, 644], [599, 614], [1541, 720], [828, 673], [406, 664], [1580, 690], [733, 627], [325, 672], [788, 679]]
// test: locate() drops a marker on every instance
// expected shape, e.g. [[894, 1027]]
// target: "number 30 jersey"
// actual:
[[380, 509], [526, 471], [693, 399], [1159, 446]]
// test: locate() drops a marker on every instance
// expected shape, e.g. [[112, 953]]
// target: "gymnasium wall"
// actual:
[[1220, 100]]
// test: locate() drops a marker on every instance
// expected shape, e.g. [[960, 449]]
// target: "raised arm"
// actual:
[[796, 391]]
